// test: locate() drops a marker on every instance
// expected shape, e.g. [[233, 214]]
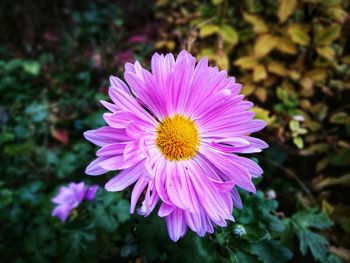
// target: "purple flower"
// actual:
[[70, 197], [177, 132]]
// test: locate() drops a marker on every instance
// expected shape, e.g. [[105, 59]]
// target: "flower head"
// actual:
[[70, 197], [176, 133]]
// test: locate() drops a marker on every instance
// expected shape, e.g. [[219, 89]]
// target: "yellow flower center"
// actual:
[[177, 138]]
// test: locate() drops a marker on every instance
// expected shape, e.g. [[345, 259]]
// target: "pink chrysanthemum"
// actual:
[[176, 132], [69, 198]]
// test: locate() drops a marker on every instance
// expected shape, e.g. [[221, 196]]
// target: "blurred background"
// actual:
[[293, 59]]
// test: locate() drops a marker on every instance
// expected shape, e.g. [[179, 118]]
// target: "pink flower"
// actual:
[[70, 197], [176, 133], [137, 39], [124, 57]]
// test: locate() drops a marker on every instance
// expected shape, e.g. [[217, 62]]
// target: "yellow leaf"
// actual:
[[222, 61], [217, 2], [307, 87], [208, 52], [341, 252], [277, 68], [317, 74], [294, 74], [285, 45], [326, 52], [330, 3], [259, 25], [346, 59], [285, 9], [261, 114], [160, 3], [229, 34], [298, 34], [248, 89], [305, 104], [327, 207], [313, 1], [170, 45], [261, 94], [322, 164], [343, 180], [338, 14], [340, 118], [270, 81], [247, 62], [264, 45], [208, 30], [316, 148], [326, 36], [219, 58], [259, 73]]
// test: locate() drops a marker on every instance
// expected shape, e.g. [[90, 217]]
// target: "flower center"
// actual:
[[177, 138]]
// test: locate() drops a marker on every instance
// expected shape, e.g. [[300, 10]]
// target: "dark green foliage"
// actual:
[[246, 239], [302, 225]]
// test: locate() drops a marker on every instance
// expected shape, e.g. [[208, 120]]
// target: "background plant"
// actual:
[[293, 60]]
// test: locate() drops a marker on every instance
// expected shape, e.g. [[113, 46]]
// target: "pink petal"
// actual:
[[118, 84], [96, 139], [165, 210], [110, 106], [137, 191], [94, 167], [229, 169], [176, 225], [91, 192], [111, 149], [124, 178], [118, 163]]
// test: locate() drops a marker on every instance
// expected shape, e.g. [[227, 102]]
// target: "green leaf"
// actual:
[[317, 244], [32, 67], [6, 197], [294, 125], [270, 251], [122, 210], [94, 120], [106, 219], [310, 218], [38, 112], [110, 210], [298, 141], [6, 137], [302, 224], [242, 257]]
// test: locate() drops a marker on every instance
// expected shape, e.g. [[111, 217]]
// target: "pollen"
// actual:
[[177, 138]]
